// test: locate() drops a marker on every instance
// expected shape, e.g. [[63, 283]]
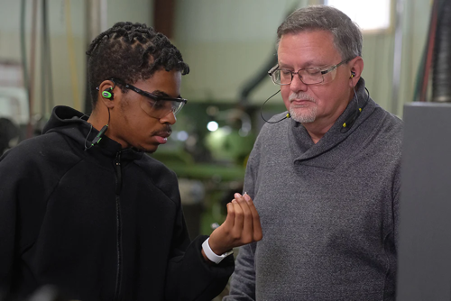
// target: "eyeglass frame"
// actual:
[[149, 94], [323, 72]]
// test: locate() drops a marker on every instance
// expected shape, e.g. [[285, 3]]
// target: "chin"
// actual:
[[148, 148], [303, 117], [151, 150]]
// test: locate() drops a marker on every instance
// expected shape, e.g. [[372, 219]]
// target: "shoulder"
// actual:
[[274, 128], [154, 167], [159, 174], [271, 139], [43, 147], [381, 122], [391, 126], [384, 133], [42, 159]]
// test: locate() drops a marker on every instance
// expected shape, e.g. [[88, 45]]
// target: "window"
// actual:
[[370, 15]]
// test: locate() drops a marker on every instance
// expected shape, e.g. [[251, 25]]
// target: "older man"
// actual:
[[325, 181]]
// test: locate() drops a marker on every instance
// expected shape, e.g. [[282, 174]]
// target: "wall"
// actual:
[[68, 67], [228, 42], [225, 42], [378, 54]]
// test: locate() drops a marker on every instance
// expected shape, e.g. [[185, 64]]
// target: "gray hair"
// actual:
[[347, 35]]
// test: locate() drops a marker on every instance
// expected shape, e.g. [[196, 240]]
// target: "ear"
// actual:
[[114, 90], [355, 70]]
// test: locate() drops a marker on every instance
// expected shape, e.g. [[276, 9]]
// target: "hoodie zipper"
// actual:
[[117, 166]]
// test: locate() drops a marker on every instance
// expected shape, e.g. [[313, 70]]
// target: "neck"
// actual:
[[98, 119], [318, 128]]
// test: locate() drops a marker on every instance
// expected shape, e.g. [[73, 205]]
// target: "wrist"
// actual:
[[212, 256]]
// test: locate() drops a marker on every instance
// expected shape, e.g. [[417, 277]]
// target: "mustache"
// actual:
[[301, 95], [165, 131]]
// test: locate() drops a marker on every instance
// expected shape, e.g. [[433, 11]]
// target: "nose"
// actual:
[[169, 118], [297, 85]]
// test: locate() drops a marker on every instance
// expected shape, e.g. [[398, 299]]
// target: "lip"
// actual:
[[301, 101], [162, 137]]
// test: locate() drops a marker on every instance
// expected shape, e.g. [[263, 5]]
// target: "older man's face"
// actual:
[[321, 103]]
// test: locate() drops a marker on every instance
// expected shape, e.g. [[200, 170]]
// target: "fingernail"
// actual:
[[237, 195], [247, 197]]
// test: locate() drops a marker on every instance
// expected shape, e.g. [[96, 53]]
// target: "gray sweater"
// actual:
[[329, 211]]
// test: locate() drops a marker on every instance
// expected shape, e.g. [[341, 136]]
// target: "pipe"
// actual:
[[441, 77], [397, 61]]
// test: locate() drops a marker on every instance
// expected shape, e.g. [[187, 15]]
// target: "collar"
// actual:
[[301, 145]]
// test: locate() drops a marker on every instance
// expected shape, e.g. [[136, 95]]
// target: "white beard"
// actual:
[[304, 114], [307, 115]]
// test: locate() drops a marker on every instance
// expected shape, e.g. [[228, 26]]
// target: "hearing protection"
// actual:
[[352, 74], [108, 93]]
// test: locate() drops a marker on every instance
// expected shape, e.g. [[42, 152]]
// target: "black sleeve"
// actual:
[[8, 184], [28, 175], [189, 276], [22, 207]]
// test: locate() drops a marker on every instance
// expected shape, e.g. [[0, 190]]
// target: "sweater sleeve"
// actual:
[[189, 276], [242, 285]]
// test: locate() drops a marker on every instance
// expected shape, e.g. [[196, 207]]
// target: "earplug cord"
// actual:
[[99, 136], [346, 125], [272, 122], [350, 122]]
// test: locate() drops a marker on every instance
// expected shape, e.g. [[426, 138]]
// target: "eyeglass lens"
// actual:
[[307, 76], [160, 108]]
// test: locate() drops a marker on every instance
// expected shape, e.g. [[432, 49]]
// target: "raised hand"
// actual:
[[242, 226]]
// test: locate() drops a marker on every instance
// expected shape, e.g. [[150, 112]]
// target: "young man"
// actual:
[[83, 208], [325, 181]]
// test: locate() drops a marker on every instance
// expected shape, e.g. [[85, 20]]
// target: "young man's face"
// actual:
[[321, 103], [132, 123]]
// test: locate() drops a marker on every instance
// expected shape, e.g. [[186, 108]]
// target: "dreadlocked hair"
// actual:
[[130, 52]]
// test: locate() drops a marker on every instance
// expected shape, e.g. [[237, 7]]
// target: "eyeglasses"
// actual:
[[155, 105], [309, 76]]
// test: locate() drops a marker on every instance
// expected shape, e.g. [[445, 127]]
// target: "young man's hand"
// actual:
[[242, 226]]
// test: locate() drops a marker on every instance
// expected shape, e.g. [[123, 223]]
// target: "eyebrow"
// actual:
[[164, 94], [309, 64]]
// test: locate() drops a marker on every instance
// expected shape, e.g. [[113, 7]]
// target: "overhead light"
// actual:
[[212, 126], [182, 136]]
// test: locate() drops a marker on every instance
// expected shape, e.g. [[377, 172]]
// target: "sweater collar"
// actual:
[[300, 143]]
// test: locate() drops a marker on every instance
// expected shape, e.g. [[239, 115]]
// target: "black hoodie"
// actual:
[[102, 223]]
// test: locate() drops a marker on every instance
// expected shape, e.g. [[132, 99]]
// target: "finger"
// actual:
[[230, 218], [247, 230], [257, 228], [238, 221], [220, 237]]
